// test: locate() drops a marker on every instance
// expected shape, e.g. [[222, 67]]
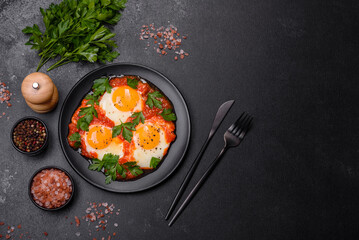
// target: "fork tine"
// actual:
[[241, 124], [235, 124], [245, 127]]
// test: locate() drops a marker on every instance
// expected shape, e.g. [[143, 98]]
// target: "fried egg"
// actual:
[[121, 103], [99, 140], [149, 141]]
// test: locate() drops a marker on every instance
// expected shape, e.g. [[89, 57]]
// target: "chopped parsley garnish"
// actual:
[[96, 165], [77, 138], [134, 169], [153, 101], [110, 165], [126, 128], [154, 162], [84, 122], [99, 87], [138, 116], [91, 99], [132, 82], [168, 115]]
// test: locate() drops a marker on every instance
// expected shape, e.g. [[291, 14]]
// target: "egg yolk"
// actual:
[[149, 136], [125, 98], [99, 137]]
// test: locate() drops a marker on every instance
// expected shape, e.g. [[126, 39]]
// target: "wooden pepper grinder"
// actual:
[[40, 92]]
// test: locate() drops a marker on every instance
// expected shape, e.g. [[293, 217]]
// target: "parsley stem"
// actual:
[[58, 64], [42, 63]]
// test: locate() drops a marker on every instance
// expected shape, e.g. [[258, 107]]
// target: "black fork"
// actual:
[[232, 138]]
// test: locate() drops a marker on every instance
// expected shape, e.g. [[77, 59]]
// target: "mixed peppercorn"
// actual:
[[29, 135]]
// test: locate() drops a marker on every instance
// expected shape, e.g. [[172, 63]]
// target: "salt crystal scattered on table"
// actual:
[[164, 39]]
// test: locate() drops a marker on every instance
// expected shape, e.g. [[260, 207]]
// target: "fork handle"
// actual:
[[187, 179], [199, 184]]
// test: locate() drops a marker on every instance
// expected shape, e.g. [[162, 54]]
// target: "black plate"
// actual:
[[175, 153]]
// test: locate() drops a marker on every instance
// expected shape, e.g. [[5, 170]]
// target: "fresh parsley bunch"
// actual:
[[75, 31]]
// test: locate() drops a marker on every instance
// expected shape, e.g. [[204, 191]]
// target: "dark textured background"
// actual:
[[294, 66]]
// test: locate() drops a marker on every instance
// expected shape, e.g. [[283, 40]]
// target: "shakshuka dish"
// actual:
[[124, 127]]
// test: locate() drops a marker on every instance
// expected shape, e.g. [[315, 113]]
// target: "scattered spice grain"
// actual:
[[5, 94], [165, 39], [77, 221], [98, 215]]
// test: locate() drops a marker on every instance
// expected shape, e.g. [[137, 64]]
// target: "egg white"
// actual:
[[115, 114], [143, 156], [115, 147]]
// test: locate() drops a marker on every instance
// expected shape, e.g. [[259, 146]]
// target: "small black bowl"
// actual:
[[38, 151], [51, 167]]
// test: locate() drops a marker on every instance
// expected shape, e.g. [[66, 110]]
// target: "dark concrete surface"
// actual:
[[292, 64]]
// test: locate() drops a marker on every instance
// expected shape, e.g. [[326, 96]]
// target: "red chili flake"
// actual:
[[114, 234], [77, 221], [8, 236], [109, 237], [2, 223], [0, 236], [176, 58], [46, 234], [19, 226]]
